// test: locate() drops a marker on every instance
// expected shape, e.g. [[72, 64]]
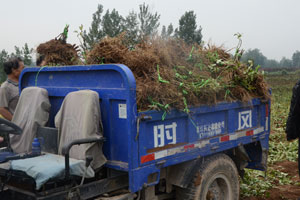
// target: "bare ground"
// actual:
[[283, 192]]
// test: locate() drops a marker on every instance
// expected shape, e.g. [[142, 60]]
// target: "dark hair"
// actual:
[[13, 63], [39, 60]]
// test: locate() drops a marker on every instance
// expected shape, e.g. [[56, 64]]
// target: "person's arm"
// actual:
[[5, 113], [4, 99]]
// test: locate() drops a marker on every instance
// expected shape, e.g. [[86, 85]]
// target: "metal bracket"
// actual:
[[139, 119]]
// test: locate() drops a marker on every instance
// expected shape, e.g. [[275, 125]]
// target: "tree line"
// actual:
[[259, 59], [138, 26]]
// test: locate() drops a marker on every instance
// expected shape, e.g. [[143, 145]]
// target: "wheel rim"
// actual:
[[218, 187]]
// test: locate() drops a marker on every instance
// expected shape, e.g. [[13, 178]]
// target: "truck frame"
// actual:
[[185, 156]]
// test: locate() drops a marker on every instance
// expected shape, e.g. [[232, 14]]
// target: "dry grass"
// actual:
[[171, 74]]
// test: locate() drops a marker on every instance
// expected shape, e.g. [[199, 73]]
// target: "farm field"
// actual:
[[281, 180]]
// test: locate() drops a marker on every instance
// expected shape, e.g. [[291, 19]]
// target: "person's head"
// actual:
[[14, 67], [40, 61]]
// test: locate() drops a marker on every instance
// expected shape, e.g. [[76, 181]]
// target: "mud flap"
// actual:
[[258, 155], [182, 174], [264, 159]]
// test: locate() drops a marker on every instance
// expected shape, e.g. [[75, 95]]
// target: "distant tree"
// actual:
[[148, 22], [164, 32], [95, 31], [112, 23], [256, 56], [285, 62], [296, 59], [271, 63], [3, 58], [136, 26], [18, 52], [24, 53], [176, 33], [188, 28], [198, 35], [27, 55], [170, 30], [131, 27], [167, 32]]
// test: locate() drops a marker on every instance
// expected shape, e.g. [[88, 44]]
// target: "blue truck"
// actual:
[[185, 156]]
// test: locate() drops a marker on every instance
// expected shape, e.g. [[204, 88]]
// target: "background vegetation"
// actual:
[[258, 183]]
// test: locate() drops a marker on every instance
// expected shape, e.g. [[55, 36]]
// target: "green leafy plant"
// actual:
[[160, 79], [83, 43], [238, 52], [257, 183], [159, 106]]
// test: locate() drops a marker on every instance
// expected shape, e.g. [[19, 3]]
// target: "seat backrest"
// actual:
[[79, 118], [31, 112], [48, 138]]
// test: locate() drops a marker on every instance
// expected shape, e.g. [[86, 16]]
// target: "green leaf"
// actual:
[[159, 78], [257, 68], [191, 54], [164, 116], [186, 109]]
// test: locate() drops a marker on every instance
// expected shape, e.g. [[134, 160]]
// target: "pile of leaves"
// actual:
[[58, 52], [172, 74]]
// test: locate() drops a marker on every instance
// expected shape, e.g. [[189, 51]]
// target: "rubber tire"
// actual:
[[218, 167]]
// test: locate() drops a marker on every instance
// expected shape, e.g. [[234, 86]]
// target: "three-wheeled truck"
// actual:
[[195, 156]]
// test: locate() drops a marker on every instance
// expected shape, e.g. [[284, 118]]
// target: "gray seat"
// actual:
[[79, 118], [31, 112]]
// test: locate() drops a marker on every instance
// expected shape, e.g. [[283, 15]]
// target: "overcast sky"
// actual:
[[269, 25]]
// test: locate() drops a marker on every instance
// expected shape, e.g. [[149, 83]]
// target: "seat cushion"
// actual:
[[49, 166]]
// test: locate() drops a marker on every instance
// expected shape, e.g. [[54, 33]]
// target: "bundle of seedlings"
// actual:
[[172, 74], [58, 52]]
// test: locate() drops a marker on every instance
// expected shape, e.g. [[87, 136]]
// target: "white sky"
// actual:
[[269, 25]]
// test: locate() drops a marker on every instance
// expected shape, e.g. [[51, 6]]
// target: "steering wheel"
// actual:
[[9, 128]]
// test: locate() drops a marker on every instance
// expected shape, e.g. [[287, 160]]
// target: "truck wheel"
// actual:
[[216, 179]]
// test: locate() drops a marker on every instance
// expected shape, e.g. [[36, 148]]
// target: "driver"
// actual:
[[9, 90]]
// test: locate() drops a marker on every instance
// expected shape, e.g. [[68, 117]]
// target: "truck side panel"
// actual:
[[208, 130], [207, 124]]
